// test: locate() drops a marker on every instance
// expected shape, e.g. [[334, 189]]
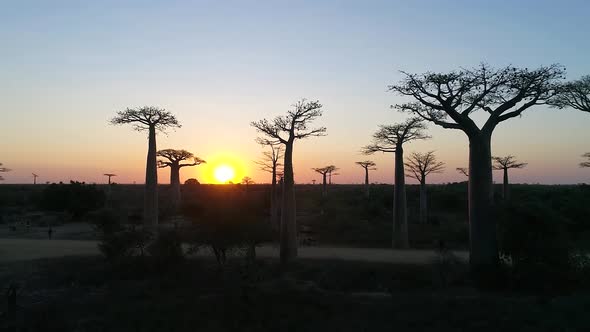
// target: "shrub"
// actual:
[[76, 198], [166, 249]]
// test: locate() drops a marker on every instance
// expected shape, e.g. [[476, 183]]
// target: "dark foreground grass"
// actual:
[[87, 294]]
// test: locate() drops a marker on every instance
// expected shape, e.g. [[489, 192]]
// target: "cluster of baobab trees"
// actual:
[[447, 99]]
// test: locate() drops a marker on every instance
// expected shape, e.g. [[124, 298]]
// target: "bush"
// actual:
[[166, 249], [76, 198]]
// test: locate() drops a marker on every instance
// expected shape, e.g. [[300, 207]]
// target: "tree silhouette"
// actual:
[[367, 165], [391, 139], [151, 119], [450, 99], [285, 130], [504, 164], [463, 170], [324, 171], [109, 175], [35, 176], [575, 94], [246, 180], [419, 166], [270, 163], [173, 159], [2, 170], [332, 172], [585, 163]]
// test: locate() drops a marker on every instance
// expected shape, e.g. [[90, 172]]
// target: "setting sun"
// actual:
[[224, 173]]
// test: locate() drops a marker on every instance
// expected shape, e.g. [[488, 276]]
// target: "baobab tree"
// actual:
[[3, 170], [246, 180], [332, 172], [109, 175], [391, 139], [152, 119], [463, 170], [35, 176], [575, 94], [285, 130], [324, 171], [419, 166], [450, 99], [504, 164], [173, 159], [270, 163], [585, 163], [367, 165]]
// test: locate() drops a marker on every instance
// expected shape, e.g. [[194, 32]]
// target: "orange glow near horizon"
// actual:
[[224, 173], [222, 168]]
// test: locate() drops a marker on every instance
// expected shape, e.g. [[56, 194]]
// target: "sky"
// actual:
[[68, 66]]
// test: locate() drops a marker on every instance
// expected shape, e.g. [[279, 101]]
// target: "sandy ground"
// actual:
[[27, 249]]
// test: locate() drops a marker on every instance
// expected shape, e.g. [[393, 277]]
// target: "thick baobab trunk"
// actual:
[[150, 207], [175, 185], [506, 186], [423, 202], [482, 227], [324, 186], [400, 220], [367, 193], [288, 223]]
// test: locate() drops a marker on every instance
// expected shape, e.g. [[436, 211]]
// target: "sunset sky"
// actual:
[[68, 66]]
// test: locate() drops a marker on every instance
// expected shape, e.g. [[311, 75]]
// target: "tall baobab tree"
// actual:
[[2, 170], [450, 99], [173, 159], [575, 94], [391, 139], [270, 163], [324, 171], [35, 176], [419, 166], [504, 164], [285, 130], [367, 165], [109, 175], [463, 170], [152, 119], [585, 163]]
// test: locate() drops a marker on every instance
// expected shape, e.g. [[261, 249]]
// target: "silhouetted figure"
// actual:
[[152, 119], [450, 99], [391, 139], [285, 130], [419, 166]]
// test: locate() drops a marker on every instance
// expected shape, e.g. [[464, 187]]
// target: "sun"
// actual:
[[224, 173]]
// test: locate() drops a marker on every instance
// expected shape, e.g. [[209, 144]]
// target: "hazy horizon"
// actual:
[[69, 67]]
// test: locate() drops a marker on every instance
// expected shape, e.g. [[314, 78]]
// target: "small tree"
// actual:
[[173, 159], [35, 176], [504, 164], [419, 166], [367, 165], [2, 170], [152, 119], [324, 171], [192, 182], [585, 163], [285, 130], [332, 172], [270, 163], [574, 94], [392, 139], [246, 180], [450, 99], [109, 176]]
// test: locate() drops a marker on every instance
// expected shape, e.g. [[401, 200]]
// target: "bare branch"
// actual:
[[585, 163], [390, 138], [463, 170], [574, 94], [145, 117], [420, 165], [501, 163]]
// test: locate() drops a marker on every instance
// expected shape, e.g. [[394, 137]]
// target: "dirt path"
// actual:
[[28, 249]]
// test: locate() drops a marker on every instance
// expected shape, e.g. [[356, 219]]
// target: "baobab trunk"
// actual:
[[175, 185], [482, 227], [150, 207], [274, 208], [423, 202], [505, 186], [324, 187], [288, 222], [367, 193], [400, 220]]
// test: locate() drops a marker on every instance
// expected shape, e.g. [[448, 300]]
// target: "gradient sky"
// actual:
[[67, 67]]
